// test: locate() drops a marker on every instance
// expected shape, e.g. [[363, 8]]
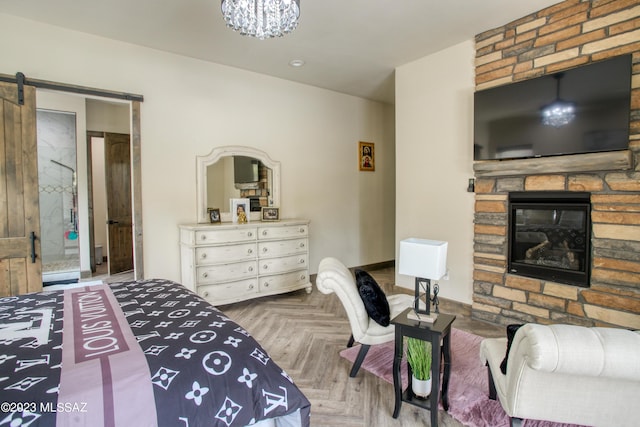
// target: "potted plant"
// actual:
[[419, 358]]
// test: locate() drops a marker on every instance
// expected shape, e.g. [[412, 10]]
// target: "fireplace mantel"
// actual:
[[606, 161]]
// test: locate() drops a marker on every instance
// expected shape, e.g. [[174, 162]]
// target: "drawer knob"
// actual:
[[302, 229], [250, 234], [203, 237], [302, 245], [301, 260], [205, 294], [264, 250], [303, 277], [264, 232], [250, 268], [251, 286], [266, 267], [204, 255], [249, 251], [205, 275], [266, 284]]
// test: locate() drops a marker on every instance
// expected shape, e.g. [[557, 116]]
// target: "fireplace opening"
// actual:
[[549, 236]]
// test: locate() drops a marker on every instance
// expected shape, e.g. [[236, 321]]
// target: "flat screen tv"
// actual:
[[509, 120], [245, 169]]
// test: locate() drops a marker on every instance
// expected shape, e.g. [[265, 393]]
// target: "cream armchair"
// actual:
[[567, 374], [334, 277]]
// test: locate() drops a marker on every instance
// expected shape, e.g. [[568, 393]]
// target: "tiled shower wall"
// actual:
[[57, 141]]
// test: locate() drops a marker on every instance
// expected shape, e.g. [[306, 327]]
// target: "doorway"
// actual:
[[110, 181], [90, 115]]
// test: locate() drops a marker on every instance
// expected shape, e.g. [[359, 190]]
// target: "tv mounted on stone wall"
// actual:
[[509, 120]]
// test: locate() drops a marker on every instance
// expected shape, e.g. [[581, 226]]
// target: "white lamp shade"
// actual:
[[423, 258]]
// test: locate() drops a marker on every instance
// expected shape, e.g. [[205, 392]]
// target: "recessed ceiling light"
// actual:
[[296, 63]]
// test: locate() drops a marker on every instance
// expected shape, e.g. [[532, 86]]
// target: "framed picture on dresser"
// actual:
[[214, 215], [240, 210], [271, 214]]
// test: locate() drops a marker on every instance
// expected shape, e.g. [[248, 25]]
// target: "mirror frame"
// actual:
[[202, 162]]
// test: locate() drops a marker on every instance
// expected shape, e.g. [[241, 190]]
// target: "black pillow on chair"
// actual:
[[375, 301], [511, 332]]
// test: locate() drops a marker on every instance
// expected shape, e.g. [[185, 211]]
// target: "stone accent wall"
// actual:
[[563, 36]]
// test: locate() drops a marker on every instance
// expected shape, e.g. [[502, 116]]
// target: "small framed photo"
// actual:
[[240, 211], [271, 214], [366, 156], [214, 215]]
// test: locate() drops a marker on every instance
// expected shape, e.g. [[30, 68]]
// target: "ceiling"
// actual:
[[349, 46]]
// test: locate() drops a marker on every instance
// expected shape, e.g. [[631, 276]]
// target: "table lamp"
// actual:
[[426, 260]]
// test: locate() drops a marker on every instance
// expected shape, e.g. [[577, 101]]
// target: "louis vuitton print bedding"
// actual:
[[141, 353]]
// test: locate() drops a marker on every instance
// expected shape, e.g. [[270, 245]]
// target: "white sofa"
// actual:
[[567, 374]]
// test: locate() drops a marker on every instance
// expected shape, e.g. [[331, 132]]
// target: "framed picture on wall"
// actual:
[[366, 156], [240, 211], [214, 215], [271, 214]]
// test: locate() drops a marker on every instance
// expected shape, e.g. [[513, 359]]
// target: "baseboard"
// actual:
[[446, 305], [367, 267], [376, 266]]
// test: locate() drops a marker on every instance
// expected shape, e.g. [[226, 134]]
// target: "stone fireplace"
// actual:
[[562, 36]]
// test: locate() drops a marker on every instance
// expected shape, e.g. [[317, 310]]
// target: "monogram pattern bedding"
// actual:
[[141, 353]]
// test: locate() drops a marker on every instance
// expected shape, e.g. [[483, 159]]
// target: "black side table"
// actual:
[[435, 332]]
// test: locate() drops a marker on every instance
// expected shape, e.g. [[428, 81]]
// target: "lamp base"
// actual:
[[427, 318]]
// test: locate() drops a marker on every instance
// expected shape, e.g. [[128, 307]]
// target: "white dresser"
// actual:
[[226, 263]]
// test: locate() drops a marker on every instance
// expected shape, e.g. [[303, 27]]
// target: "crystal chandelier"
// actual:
[[261, 18], [559, 112]]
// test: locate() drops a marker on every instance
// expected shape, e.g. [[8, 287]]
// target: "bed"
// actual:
[[141, 353]]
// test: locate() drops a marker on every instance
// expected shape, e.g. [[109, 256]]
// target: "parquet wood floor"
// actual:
[[304, 334]]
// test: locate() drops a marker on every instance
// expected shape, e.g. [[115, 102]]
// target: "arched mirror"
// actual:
[[232, 172]]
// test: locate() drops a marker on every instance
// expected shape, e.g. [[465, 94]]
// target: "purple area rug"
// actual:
[[469, 400]]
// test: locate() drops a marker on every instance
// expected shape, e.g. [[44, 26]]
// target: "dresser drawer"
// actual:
[[225, 272], [223, 293], [283, 264], [289, 231], [222, 254], [285, 281], [209, 237], [282, 247]]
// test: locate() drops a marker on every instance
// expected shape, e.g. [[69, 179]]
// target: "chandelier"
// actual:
[[261, 18], [559, 112]]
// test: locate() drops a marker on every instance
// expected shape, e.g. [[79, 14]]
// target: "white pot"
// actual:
[[421, 388]]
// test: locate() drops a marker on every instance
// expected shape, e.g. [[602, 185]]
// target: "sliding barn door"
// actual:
[[20, 262]]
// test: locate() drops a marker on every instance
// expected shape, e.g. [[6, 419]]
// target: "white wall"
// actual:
[[192, 106], [434, 154], [108, 116]]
